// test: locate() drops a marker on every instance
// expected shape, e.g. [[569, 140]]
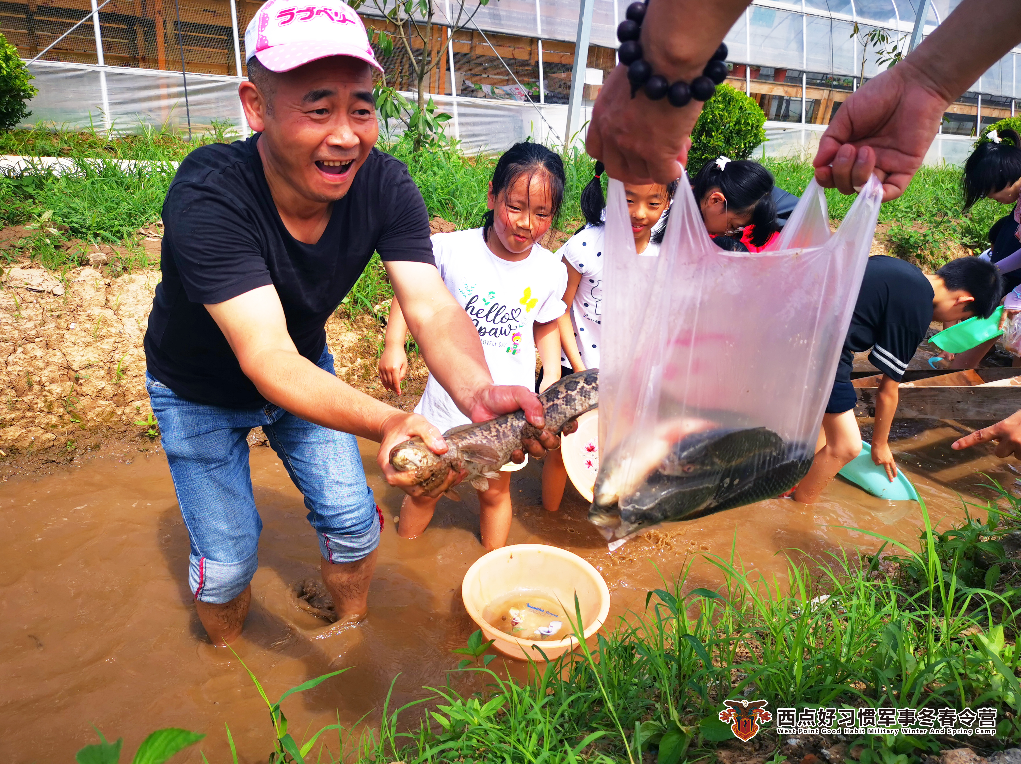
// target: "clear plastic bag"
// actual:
[[1012, 336], [717, 366]]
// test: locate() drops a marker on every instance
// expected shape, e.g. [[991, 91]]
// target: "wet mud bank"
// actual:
[[99, 627], [72, 365]]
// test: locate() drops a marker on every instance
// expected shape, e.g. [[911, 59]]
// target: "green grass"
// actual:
[[924, 221], [932, 627], [107, 204]]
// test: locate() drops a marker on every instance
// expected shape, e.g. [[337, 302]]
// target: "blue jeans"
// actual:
[[207, 449]]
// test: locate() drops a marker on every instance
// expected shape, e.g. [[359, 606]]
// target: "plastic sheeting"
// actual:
[[79, 96], [717, 366]]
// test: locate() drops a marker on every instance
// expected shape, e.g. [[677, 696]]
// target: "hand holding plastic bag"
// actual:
[[716, 366]]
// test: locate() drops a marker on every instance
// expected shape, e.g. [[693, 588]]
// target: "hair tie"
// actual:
[[722, 162], [994, 136], [599, 169]]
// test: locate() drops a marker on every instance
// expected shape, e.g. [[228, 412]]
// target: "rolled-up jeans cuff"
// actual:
[[347, 547], [219, 582]]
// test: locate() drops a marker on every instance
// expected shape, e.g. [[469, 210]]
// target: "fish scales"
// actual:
[[481, 449], [705, 473]]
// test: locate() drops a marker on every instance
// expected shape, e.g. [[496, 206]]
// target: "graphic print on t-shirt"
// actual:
[[593, 311]]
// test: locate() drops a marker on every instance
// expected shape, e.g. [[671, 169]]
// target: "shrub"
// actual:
[[1014, 123], [15, 89], [730, 125]]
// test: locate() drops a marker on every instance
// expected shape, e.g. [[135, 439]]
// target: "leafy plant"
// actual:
[[1014, 123], [287, 748], [15, 87], [888, 50], [731, 125], [151, 425], [412, 29], [155, 749]]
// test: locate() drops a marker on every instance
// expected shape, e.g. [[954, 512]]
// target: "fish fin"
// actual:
[[480, 453], [451, 494], [459, 428], [491, 474], [480, 483]]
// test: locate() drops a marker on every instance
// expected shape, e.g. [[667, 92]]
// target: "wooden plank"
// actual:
[[989, 403], [982, 376]]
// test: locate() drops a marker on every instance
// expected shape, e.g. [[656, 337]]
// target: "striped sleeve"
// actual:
[[894, 348]]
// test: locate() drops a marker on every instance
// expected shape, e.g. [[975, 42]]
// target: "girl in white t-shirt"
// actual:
[[580, 329], [511, 287]]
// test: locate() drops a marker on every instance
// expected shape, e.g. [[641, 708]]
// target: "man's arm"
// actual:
[[256, 329], [887, 125], [640, 140], [453, 352], [886, 406]]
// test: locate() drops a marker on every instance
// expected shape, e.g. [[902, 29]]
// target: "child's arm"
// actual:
[[567, 340], [886, 405], [393, 364], [547, 342]]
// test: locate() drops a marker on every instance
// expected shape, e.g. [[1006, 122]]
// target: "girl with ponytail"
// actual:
[[735, 197], [511, 287]]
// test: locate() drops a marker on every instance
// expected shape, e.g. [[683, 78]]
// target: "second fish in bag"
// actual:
[[716, 365]]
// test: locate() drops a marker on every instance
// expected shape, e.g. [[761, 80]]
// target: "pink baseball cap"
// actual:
[[286, 34]]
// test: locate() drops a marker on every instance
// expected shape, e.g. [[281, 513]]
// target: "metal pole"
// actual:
[[747, 53], [237, 62], [804, 66], [574, 107], [919, 27], [538, 32], [184, 73], [978, 117], [101, 60], [453, 74]]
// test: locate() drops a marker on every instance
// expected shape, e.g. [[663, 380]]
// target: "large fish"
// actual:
[[707, 471], [481, 449]]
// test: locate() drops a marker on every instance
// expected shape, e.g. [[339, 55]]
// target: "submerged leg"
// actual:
[[416, 514], [554, 480], [843, 443], [496, 513]]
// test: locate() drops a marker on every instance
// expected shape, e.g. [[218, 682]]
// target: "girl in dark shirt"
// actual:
[[993, 171]]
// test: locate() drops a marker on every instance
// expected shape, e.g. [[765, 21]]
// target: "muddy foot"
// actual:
[[312, 597]]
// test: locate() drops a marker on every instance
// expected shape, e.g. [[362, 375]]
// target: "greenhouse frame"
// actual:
[[504, 70]]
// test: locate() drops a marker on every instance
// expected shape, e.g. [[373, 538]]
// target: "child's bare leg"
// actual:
[[495, 514], [843, 443], [970, 359], [416, 512], [554, 480]]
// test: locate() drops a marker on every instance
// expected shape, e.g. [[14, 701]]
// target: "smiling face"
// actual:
[[645, 205], [318, 125], [522, 214]]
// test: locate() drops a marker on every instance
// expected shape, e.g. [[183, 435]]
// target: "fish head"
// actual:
[[413, 454]]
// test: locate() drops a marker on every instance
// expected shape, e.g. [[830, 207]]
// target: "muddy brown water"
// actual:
[[97, 626]]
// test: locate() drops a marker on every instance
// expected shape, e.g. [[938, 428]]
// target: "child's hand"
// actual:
[[393, 367], [883, 457], [548, 380]]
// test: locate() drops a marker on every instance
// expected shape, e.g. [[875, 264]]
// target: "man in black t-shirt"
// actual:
[[263, 240], [895, 305]]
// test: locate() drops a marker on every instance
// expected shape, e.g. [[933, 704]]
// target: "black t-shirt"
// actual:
[[1007, 244], [223, 237], [893, 311]]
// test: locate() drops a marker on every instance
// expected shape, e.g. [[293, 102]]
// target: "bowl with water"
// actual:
[[522, 597]]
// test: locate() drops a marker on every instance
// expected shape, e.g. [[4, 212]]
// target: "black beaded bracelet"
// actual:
[[656, 86]]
